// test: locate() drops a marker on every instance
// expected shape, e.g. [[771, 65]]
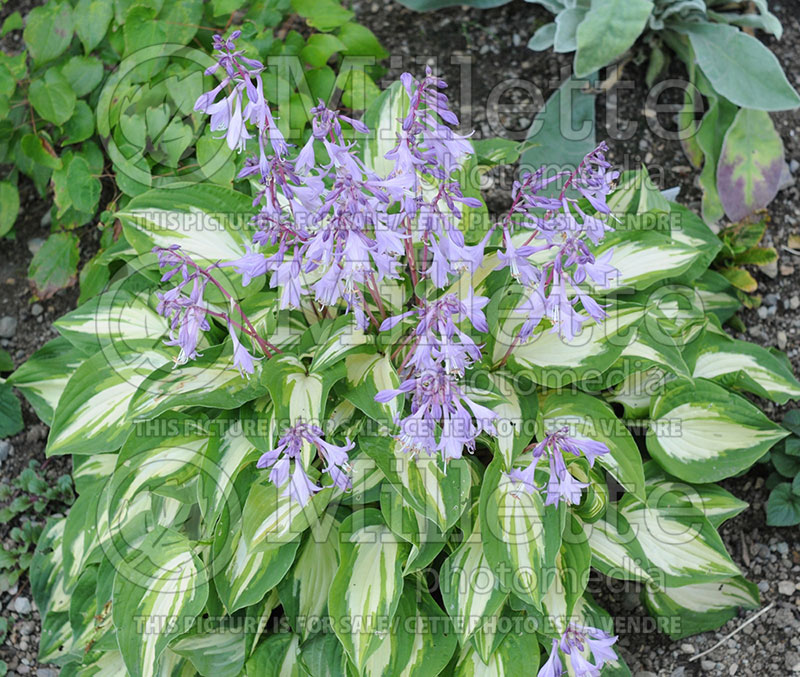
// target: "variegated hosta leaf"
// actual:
[[44, 376], [553, 361], [298, 393], [334, 341], [366, 589], [106, 664], [116, 320], [80, 537], [518, 654], [88, 623], [437, 491], [572, 572], [471, 592], [700, 432], [692, 231], [699, 607], [426, 539], [717, 504], [271, 519], [242, 577], [366, 477], [715, 294], [209, 222], [47, 586], [382, 117], [224, 462], [156, 597], [644, 257], [257, 618], [589, 418], [217, 653], [304, 591], [164, 456], [367, 374], [208, 381], [90, 473], [323, 656], [92, 410], [615, 550], [677, 539], [636, 391], [645, 350], [421, 643], [276, 655], [521, 536], [743, 365]]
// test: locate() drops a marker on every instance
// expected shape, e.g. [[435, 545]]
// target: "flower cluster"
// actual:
[[427, 154], [188, 312], [286, 465], [329, 225], [577, 642], [560, 227], [561, 484]]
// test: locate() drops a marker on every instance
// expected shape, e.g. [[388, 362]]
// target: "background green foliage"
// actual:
[[105, 89]]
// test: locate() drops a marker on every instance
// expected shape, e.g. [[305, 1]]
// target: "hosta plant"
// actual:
[[347, 424]]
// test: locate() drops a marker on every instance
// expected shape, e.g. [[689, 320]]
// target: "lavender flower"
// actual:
[[286, 465], [561, 485], [553, 289], [437, 398], [578, 642]]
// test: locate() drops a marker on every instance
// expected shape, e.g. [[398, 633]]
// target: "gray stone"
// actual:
[[22, 605], [36, 309], [687, 648], [794, 302], [770, 299], [5, 449], [8, 326], [678, 672], [783, 341], [782, 548], [708, 665], [794, 165], [786, 588], [35, 244]]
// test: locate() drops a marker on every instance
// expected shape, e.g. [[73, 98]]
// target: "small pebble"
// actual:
[[36, 309], [8, 326], [782, 548], [35, 244], [22, 605], [783, 341], [5, 449], [794, 302], [786, 588], [708, 665], [687, 648]]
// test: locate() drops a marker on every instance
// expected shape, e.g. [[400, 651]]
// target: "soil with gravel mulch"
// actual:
[[486, 48]]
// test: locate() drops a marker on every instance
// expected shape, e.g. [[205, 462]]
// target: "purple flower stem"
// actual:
[[265, 345]]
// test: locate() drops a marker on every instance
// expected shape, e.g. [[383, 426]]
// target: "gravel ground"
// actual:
[[495, 41]]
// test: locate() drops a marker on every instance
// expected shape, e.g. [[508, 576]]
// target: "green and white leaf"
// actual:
[[700, 432], [437, 492], [93, 407], [366, 589], [700, 607], [304, 591], [166, 590], [470, 590], [745, 366]]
